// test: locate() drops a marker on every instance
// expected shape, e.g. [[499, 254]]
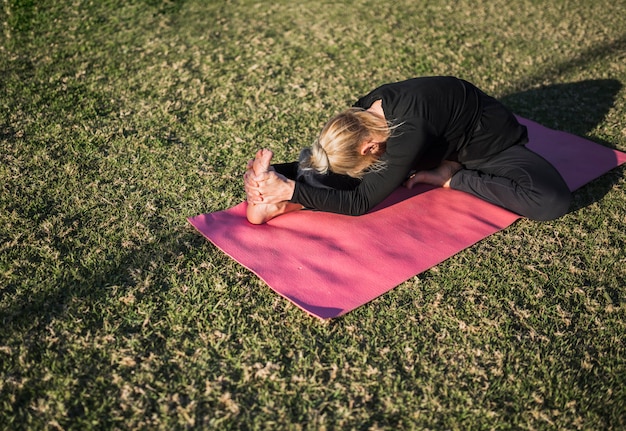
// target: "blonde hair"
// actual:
[[338, 146]]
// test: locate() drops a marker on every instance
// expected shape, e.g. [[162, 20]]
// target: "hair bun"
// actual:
[[314, 158], [308, 168]]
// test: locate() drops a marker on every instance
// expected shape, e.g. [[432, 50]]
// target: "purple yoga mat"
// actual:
[[329, 264]]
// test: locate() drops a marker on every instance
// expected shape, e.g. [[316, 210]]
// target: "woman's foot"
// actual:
[[261, 161], [262, 213], [440, 176]]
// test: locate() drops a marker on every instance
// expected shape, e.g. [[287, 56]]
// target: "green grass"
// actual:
[[120, 119]]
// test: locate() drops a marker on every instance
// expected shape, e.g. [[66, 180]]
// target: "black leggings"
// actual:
[[519, 180]]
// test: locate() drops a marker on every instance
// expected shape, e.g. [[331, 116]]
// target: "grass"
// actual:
[[120, 119]]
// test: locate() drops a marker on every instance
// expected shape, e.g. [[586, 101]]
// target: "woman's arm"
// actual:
[[375, 187], [403, 149]]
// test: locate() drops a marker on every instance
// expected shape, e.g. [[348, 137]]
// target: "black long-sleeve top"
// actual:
[[435, 118]]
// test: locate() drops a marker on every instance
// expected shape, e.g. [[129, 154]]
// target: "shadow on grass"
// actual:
[[576, 107]]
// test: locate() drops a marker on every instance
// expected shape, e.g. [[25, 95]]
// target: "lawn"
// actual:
[[119, 119]]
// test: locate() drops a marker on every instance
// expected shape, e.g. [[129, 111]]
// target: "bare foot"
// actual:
[[262, 213], [440, 176], [261, 162]]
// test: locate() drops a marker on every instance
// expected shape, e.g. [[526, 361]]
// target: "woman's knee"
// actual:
[[553, 205]]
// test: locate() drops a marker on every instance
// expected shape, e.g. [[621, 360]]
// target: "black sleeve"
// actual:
[[403, 149], [290, 170]]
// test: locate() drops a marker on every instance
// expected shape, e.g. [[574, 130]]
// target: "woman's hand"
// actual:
[[440, 176], [267, 188]]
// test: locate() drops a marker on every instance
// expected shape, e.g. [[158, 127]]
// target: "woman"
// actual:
[[437, 130]]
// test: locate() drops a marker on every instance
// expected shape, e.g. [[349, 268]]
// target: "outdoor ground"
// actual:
[[119, 119]]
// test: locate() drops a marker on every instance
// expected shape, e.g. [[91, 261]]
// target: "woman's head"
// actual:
[[349, 144]]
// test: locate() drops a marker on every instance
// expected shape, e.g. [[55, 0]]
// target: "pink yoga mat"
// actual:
[[329, 264]]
